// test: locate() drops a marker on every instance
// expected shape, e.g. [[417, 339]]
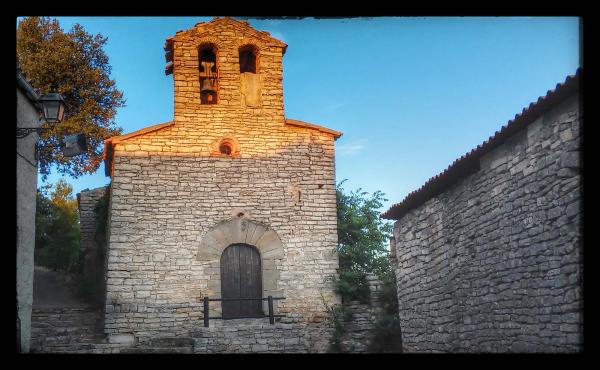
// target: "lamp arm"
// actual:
[[25, 131]]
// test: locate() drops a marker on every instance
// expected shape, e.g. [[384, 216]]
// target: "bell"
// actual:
[[207, 87]]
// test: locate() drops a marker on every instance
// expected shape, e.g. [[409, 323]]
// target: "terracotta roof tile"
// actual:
[[109, 143], [295, 122], [469, 162]]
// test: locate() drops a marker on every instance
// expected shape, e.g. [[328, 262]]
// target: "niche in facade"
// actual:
[[249, 79], [209, 75]]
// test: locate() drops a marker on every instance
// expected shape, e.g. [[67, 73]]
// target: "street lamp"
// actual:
[[53, 107]]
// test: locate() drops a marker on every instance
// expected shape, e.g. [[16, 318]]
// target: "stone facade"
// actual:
[[494, 263], [177, 201]]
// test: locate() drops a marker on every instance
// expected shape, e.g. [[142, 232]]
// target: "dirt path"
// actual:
[[53, 289]]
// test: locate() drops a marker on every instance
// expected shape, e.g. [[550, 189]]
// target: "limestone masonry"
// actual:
[[494, 262], [87, 201], [229, 169]]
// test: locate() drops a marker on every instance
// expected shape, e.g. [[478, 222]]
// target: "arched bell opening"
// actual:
[[250, 82], [209, 73], [248, 59]]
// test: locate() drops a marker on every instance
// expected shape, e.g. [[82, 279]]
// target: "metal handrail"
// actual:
[[243, 317], [245, 299], [269, 299]]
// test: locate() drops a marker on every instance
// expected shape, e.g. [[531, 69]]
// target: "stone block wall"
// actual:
[[162, 207], [360, 327], [258, 336], [494, 263], [227, 36], [87, 201], [171, 188], [65, 329], [80, 330]]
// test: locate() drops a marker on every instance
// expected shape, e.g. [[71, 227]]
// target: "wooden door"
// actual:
[[241, 278]]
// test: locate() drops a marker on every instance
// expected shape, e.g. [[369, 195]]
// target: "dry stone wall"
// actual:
[[361, 319], [494, 264], [258, 336], [65, 329], [80, 330], [87, 201]]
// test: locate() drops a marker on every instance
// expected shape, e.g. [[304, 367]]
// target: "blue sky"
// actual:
[[411, 95]]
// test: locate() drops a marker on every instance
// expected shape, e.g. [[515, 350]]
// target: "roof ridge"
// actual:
[[241, 23], [519, 122], [142, 131], [298, 123]]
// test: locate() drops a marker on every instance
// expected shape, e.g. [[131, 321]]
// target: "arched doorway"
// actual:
[[241, 277]]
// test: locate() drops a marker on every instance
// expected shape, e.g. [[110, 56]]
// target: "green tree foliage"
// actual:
[[362, 241], [57, 228], [76, 65], [362, 248]]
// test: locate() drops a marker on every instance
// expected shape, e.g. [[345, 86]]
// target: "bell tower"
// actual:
[[229, 199], [226, 69]]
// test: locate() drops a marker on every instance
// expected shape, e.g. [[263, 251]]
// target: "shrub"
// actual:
[[57, 228]]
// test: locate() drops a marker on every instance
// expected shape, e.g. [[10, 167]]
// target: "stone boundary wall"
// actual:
[[65, 329], [360, 328], [80, 330], [494, 263], [87, 201], [248, 336]]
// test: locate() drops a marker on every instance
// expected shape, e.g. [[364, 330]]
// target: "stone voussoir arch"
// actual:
[[240, 230]]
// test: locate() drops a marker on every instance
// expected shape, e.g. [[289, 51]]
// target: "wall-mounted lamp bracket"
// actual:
[[24, 131]]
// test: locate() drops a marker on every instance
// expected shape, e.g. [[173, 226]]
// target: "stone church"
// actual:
[[230, 199]]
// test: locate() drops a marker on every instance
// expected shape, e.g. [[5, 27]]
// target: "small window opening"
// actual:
[[247, 60], [208, 75], [225, 148]]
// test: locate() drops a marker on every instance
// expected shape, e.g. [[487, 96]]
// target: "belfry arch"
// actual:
[[241, 230]]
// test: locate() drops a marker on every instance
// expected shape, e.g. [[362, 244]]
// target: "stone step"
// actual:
[[69, 339], [165, 342], [51, 336], [158, 350], [63, 348], [66, 330]]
